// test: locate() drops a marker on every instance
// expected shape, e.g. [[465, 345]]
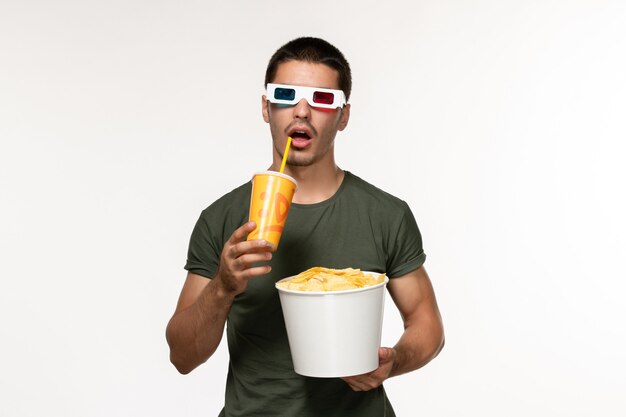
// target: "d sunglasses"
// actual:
[[324, 98]]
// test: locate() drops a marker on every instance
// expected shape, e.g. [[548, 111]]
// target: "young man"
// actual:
[[336, 220]]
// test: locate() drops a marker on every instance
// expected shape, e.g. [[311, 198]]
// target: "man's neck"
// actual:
[[315, 183]]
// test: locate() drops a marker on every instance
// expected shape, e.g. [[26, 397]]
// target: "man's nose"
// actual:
[[302, 110]]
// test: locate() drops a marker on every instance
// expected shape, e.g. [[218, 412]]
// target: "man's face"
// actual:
[[312, 129]]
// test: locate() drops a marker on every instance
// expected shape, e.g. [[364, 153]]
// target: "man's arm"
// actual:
[[423, 336], [195, 330]]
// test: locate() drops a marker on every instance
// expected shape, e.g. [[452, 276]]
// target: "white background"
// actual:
[[500, 122]]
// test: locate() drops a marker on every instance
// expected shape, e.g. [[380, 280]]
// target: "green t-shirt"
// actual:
[[360, 226]]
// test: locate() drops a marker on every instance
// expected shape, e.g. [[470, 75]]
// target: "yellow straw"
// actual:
[[282, 166]]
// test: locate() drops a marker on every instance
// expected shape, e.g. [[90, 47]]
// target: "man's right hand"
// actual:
[[239, 260], [196, 328]]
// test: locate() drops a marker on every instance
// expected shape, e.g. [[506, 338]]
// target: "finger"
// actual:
[[353, 386], [359, 387], [248, 260], [248, 246], [354, 383], [256, 271], [260, 246], [384, 354], [242, 232]]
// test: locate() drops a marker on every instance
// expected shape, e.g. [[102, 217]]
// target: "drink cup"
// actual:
[[270, 201]]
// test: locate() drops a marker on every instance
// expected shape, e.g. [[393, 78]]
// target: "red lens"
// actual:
[[323, 98]]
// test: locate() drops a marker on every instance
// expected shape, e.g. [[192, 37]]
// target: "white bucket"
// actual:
[[334, 333]]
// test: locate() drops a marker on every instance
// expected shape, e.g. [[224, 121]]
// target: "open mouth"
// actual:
[[300, 134], [300, 138]]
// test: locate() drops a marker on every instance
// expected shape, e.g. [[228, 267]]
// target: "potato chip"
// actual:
[[326, 279]]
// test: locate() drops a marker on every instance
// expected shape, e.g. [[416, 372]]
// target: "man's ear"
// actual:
[[345, 116], [265, 109]]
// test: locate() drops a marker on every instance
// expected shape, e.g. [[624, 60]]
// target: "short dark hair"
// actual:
[[314, 50]]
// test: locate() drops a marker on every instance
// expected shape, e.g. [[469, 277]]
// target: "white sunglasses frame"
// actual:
[[306, 93]]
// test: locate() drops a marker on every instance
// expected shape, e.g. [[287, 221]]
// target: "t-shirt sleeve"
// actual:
[[406, 253], [204, 251]]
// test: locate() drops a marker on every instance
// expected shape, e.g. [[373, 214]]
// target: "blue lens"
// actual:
[[284, 94]]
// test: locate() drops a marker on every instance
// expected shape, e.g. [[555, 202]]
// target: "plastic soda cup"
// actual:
[[270, 201]]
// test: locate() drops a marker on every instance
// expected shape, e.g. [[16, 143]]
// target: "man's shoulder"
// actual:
[[359, 188], [232, 200]]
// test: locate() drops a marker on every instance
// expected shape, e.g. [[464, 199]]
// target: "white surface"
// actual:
[[335, 333], [121, 120]]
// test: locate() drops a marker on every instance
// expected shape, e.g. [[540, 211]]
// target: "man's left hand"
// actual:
[[371, 380]]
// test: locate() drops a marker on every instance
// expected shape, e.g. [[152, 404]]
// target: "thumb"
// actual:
[[385, 354]]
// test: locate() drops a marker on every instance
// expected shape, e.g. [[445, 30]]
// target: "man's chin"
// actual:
[[300, 162]]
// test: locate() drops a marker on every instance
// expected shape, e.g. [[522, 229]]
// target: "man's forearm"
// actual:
[[195, 333], [418, 345]]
